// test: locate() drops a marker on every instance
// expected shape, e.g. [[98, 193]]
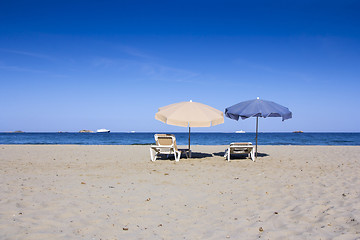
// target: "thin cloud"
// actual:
[[255, 65], [104, 62], [153, 71], [20, 69], [135, 52], [166, 73], [268, 69], [146, 65], [31, 54], [117, 64]]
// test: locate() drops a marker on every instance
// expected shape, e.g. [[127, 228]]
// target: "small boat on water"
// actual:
[[85, 131], [102, 130], [297, 131], [241, 131]]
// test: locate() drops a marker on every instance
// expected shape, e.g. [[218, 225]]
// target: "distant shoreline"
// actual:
[[171, 132], [182, 138], [180, 145]]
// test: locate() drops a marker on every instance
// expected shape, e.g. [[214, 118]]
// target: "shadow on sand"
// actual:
[[197, 155], [200, 155], [194, 155], [240, 156]]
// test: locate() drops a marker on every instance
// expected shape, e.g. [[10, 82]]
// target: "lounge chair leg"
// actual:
[[177, 158], [152, 155]]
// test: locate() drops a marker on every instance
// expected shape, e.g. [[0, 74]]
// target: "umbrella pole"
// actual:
[[189, 144], [257, 124]]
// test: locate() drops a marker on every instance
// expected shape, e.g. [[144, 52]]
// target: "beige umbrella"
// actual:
[[190, 114]]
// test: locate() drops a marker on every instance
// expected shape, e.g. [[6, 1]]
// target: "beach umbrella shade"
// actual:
[[257, 108], [190, 114]]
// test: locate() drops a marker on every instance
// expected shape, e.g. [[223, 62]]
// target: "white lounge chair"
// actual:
[[240, 148], [165, 144]]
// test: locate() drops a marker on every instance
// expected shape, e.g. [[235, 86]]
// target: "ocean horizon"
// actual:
[[197, 138]]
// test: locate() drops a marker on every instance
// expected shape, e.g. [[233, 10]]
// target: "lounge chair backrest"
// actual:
[[241, 143], [166, 140], [165, 144], [240, 147]]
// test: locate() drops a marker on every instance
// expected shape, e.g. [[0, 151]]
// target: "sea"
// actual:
[[197, 138]]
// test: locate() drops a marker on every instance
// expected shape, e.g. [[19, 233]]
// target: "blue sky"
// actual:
[[72, 65]]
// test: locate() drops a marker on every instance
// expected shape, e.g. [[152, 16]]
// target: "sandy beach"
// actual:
[[115, 192]]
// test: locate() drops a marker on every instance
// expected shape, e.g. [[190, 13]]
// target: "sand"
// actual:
[[115, 192]]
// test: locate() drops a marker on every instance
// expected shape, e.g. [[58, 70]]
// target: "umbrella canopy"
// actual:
[[257, 108], [190, 114]]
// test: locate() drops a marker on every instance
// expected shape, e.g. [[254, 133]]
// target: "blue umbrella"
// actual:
[[257, 108]]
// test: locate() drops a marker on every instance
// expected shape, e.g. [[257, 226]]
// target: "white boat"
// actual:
[[241, 131], [103, 130]]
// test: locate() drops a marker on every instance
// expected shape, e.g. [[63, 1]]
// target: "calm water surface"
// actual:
[[197, 138]]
